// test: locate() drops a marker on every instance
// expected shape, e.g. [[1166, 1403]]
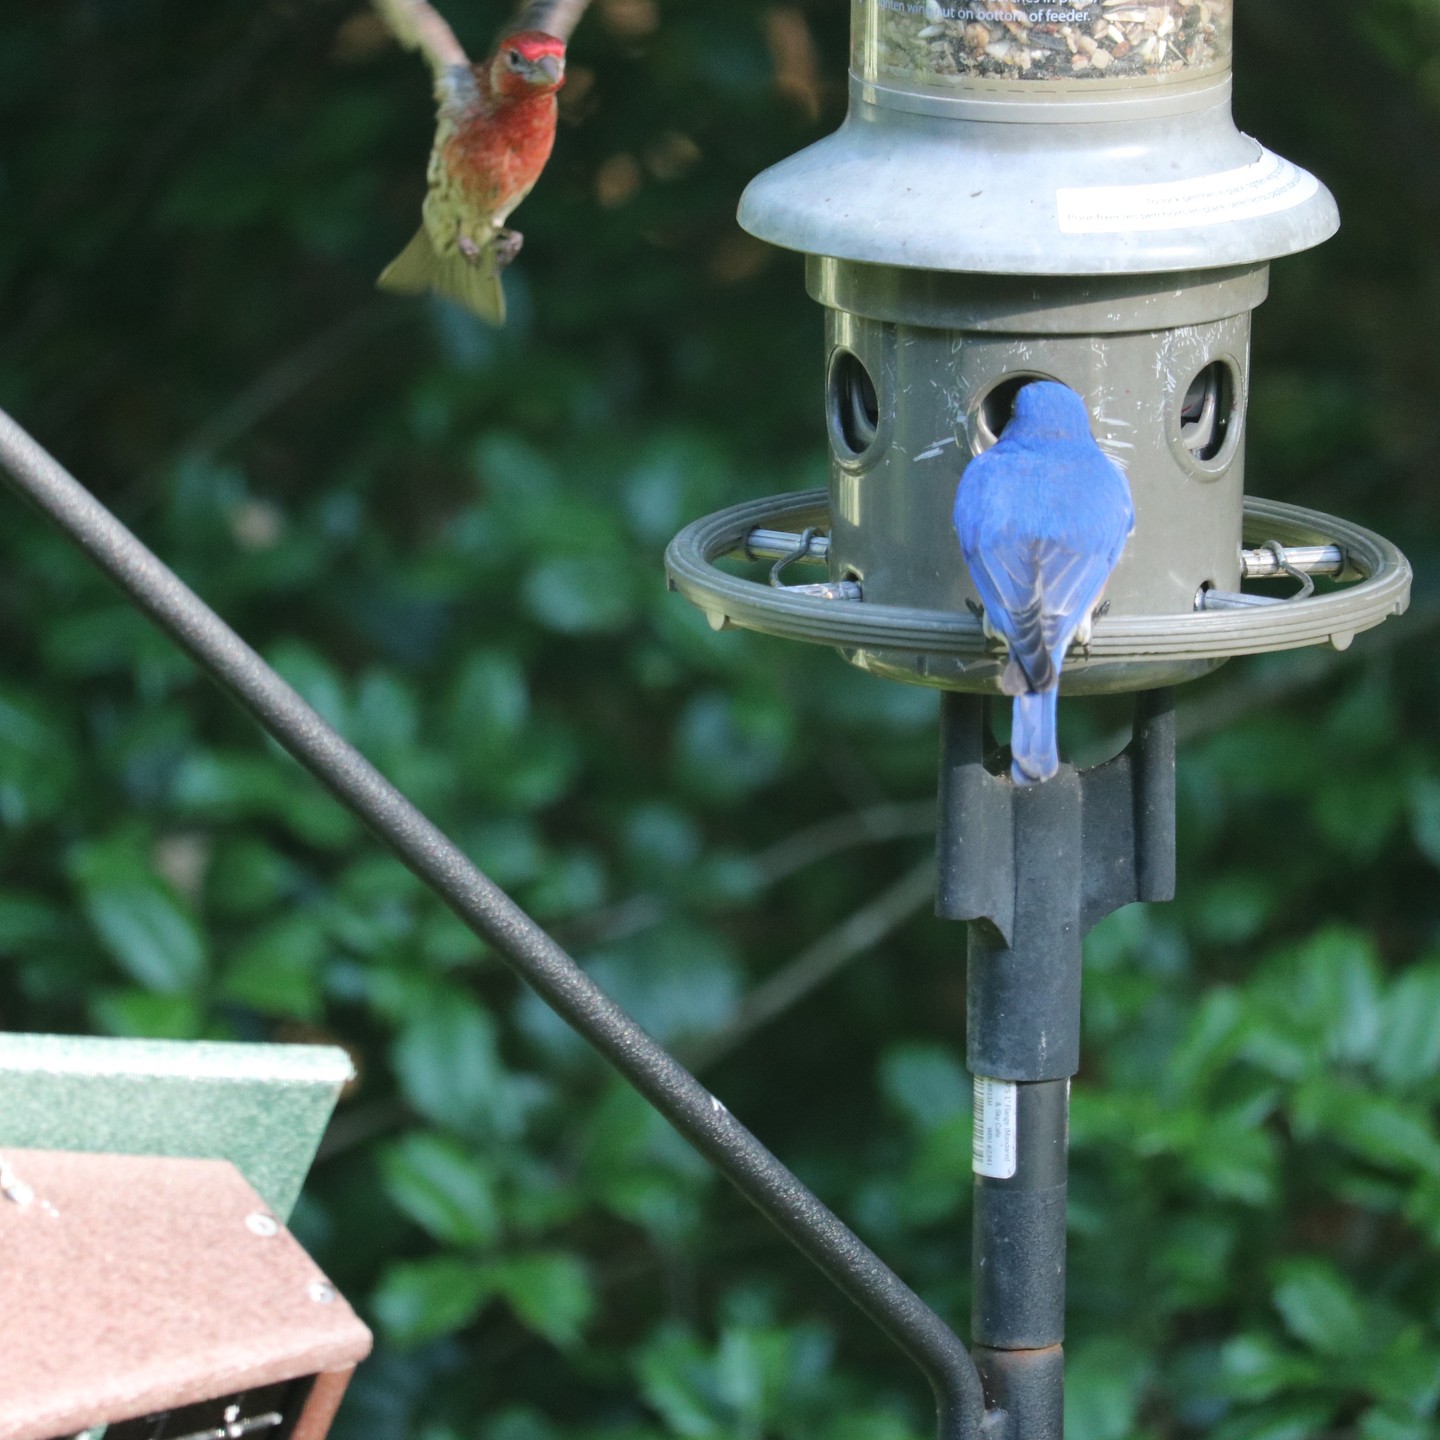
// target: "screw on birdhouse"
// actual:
[[321, 1292], [261, 1224], [12, 1187]]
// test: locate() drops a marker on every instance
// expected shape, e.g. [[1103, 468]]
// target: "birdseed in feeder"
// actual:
[[945, 42]]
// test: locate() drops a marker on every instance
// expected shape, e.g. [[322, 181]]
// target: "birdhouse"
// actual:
[[153, 1291], [1026, 191]]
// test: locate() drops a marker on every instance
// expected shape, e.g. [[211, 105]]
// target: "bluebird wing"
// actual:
[[1071, 582], [1008, 579]]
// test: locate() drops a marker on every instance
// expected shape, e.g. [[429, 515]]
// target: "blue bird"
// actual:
[[1042, 517]]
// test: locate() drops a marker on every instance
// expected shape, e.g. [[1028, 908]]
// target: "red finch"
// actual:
[[496, 130]]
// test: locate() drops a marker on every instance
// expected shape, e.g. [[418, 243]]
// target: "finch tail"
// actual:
[[418, 269], [1033, 751]]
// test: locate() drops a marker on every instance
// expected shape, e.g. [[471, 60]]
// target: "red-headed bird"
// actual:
[[496, 131]]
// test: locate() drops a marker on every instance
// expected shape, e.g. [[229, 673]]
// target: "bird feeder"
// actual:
[[1025, 191], [1032, 191]]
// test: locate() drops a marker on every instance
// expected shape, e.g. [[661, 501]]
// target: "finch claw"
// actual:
[[505, 247], [468, 248]]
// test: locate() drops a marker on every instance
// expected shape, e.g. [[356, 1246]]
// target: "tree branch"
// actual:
[[817, 963]]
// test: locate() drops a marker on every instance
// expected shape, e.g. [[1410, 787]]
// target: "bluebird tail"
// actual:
[[1033, 752]]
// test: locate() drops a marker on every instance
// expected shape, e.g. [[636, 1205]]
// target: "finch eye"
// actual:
[[515, 59]]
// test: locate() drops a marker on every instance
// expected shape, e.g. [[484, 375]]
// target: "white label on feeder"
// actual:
[[992, 1143], [1264, 188]]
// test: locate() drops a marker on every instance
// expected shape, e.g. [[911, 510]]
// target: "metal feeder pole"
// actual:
[[1033, 870]]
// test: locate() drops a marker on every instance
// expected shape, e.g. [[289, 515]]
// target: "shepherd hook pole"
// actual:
[[522, 943]]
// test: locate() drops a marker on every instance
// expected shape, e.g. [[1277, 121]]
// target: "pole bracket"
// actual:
[[1034, 868]]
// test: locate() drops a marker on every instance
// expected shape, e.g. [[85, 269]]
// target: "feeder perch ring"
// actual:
[[1136, 650]]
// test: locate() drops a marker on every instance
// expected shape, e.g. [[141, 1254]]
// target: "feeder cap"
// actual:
[[1142, 183]]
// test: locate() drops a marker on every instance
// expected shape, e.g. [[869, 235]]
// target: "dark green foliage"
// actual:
[[449, 539]]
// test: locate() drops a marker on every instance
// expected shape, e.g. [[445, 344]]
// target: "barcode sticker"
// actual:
[[993, 1143]]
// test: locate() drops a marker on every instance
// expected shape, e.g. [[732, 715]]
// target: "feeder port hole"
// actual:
[[853, 404], [997, 408], [1208, 414]]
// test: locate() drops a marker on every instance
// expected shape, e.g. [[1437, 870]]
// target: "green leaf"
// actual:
[[1339, 984], [870, 1425], [444, 1188], [1320, 1308], [549, 1292], [491, 703], [137, 918], [1380, 1424], [1214, 1035], [1379, 1128], [1257, 1366], [451, 1071], [1359, 812], [228, 787], [1425, 817], [926, 1084], [1235, 1157], [279, 970], [676, 980], [1235, 908], [1408, 1050], [519, 1423], [1104, 1385], [26, 922], [148, 1016], [727, 747], [1286, 1420], [674, 1374], [246, 877], [580, 594], [427, 1299]]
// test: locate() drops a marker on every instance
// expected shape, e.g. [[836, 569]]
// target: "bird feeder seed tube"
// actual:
[[1065, 46]]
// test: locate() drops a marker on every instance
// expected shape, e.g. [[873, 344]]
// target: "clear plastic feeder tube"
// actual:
[[988, 48]]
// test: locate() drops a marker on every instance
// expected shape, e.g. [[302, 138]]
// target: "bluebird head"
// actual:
[[1047, 410]]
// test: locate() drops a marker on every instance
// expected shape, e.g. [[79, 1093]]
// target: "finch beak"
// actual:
[[553, 67]]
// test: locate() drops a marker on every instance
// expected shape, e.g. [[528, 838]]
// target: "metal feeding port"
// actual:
[[949, 648]]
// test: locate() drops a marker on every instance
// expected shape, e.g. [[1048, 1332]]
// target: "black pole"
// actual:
[[524, 945], [1032, 869]]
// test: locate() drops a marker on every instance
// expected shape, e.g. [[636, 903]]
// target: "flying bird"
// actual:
[[495, 131], [1042, 517]]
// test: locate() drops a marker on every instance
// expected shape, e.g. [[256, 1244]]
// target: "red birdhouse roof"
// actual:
[[134, 1285]]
